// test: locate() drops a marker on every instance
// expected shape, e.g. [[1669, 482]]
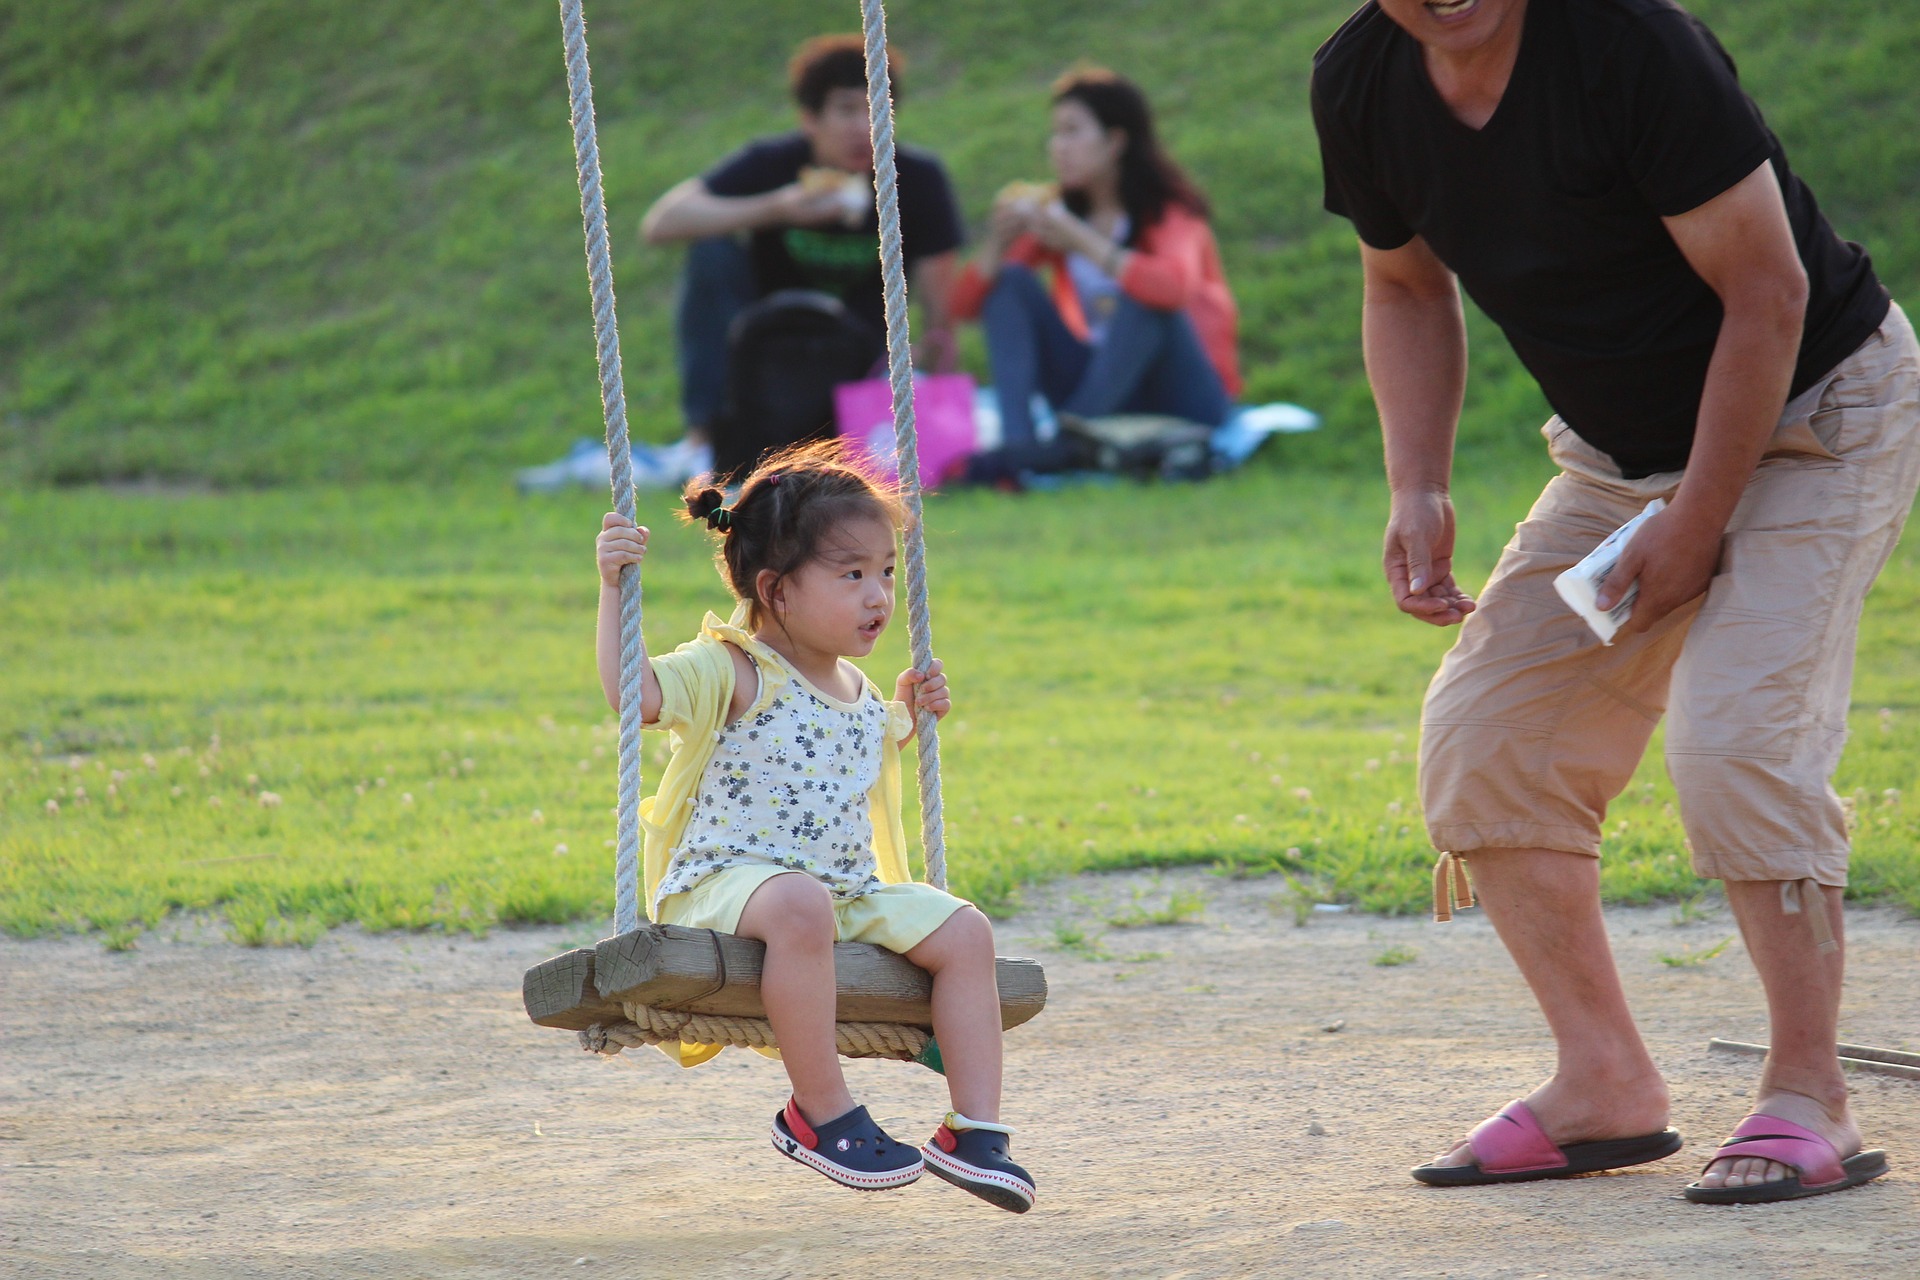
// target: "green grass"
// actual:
[[253, 242], [1190, 676], [1688, 958], [336, 247]]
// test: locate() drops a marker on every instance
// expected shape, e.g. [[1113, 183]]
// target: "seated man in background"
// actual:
[[796, 211]]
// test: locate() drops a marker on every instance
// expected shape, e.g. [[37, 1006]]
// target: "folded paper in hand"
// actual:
[[1580, 585]]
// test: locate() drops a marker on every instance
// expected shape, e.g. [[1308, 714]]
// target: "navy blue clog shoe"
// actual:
[[851, 1149], [972, 1155]]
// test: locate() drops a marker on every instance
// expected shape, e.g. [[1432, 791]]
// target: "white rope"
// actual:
[[613, 405], [933, 837]]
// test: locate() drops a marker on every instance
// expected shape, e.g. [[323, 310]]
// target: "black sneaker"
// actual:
[[972, 1155], [851, 1149]]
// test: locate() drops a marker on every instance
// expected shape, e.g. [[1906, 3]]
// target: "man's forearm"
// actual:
[[1746, 387], [691, 212], [1416, 353]]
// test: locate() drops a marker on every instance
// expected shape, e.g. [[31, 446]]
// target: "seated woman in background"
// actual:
[[1134, 315]]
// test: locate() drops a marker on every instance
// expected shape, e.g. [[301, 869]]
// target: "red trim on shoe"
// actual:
[[945, 1138], [798, 1126]]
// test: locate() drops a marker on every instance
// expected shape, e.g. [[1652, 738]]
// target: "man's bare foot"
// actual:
[[1801, 1110], [1590, 1111]]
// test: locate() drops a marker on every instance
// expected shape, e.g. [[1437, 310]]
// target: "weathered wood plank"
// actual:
[[674, 967], [560, 993]]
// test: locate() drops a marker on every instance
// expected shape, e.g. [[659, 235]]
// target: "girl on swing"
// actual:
[[778, 815]]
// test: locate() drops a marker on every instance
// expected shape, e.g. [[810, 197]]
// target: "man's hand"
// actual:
[[1418, 558], [1672, 557], [795, 206]]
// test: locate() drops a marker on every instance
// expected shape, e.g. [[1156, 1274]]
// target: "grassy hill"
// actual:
[[255, 243]]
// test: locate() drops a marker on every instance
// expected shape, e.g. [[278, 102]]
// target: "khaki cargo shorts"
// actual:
[[1531, 726]]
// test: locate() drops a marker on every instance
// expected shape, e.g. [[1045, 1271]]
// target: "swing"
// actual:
[[653, 983]]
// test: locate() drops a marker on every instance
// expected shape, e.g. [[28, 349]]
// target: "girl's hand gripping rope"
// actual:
[[621, 543], [924, 691]]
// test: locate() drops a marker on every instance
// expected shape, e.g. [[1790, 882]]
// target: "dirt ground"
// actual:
[[1235, 1096]]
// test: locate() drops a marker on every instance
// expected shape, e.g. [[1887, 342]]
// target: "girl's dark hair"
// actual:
[[786, 514], [825, 63], [1149, 178]]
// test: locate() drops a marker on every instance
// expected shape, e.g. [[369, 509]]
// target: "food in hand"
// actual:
[[1033, 195], [853, 192]]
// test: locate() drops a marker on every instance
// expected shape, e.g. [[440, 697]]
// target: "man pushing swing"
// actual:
[[1594, 176]]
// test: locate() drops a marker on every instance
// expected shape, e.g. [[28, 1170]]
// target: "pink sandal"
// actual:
[[1817, 1166], [1510, 1146]]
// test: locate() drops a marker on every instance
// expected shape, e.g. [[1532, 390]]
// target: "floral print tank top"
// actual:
[[788, 788]]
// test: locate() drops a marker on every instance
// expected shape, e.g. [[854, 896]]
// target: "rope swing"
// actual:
[[562, 987]]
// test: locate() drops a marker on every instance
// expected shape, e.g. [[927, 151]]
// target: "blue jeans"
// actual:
[[1150, 362], [716, 284]]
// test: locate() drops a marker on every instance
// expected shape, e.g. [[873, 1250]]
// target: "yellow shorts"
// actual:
[[898, 917]]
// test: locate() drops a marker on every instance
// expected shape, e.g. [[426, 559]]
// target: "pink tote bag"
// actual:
[[943, 423]]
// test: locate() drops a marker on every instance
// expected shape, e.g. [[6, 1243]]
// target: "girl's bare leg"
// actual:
[[793, 915], [966, 1010]]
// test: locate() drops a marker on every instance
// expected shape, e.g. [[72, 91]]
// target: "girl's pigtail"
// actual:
[[709, 504]]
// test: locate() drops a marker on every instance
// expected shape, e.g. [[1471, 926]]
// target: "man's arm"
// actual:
[[691, 212], [1415, 340], [931, 285], [1741, 244]]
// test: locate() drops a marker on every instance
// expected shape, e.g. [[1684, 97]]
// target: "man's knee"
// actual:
[[1750, 818]]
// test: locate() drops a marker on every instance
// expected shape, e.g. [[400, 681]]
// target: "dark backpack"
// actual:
[[785, 355]]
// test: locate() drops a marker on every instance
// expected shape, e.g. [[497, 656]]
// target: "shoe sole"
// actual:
[[792, 1150], [1002, 1189], [1856, 1170], [1582, 1157]]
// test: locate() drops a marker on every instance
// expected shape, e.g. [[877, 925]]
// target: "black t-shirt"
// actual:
[[1618, 113], [843, 261]]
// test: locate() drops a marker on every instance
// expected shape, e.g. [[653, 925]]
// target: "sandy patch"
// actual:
[[379, 1106]]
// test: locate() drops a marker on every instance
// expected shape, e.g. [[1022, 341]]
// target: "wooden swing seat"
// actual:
[[701, 971]]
